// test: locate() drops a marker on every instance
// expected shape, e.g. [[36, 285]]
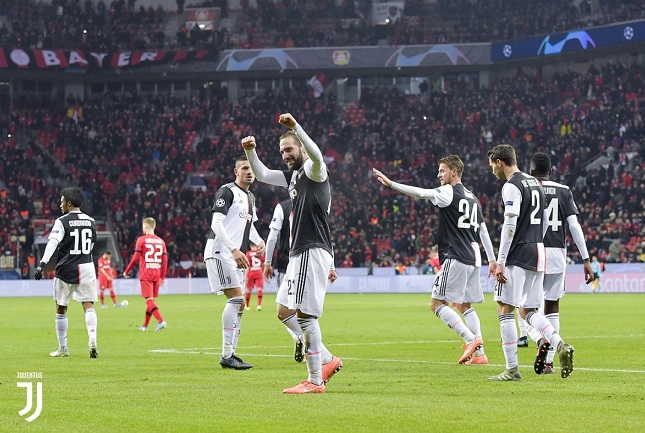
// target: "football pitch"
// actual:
[[400, 370]]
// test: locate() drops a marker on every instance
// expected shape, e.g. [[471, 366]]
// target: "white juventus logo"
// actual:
[[39, 400]]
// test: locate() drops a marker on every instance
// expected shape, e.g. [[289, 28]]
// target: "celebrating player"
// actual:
[[307, 180], [461, 228]]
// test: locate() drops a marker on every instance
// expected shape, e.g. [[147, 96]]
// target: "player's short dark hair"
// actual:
[[241, 158], [107, 252], [541, 164], [291, 134], [503, 152], [453, 162], [74, 195]]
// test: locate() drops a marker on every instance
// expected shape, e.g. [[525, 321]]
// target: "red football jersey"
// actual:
[[152, 255], [255, 263], [106, 265]]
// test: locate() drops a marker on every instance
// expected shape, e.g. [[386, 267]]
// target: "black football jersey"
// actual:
[[523, 196]]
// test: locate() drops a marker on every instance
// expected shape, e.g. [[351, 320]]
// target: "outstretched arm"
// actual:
[[412, 191], [262, 173]]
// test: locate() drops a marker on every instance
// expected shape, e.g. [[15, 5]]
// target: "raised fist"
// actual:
[[248, 143], [287, 120]]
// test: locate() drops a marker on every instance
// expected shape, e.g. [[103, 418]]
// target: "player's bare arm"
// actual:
[[333, 275], [268, 272], [287, 120], [492, 268], [248, 143], [261, 249], [382, 178], [588, 271], [240, 259], [499, 273]]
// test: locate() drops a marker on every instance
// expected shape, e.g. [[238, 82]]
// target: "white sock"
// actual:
[[313, 341], [554, 319], [229, 325], [91, 323], [472, 322], [509, 339], [61, 330], [544, 327], [534, 334], [454, 322], [326, 355], [236, 336], [291, 323], [522, 324]]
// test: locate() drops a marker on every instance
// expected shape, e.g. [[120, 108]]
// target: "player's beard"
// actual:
[[297, 162]]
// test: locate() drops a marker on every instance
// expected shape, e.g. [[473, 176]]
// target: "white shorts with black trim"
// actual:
[[281, 294], [458, 282], [554, 286], [83, 292], [305, 283], [224, 274], [523, 288]]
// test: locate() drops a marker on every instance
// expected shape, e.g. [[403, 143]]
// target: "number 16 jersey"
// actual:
[[76, 233]]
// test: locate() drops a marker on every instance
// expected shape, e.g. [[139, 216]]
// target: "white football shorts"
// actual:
[[223, 273], [523, 288], [82, 292], [553, 286], [305, 283], [458, 282]]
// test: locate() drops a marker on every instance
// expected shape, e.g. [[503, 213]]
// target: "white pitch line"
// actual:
[[400, 361], [389, 343]]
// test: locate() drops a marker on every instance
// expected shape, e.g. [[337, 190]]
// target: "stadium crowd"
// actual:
[[133, 155], [122, 25]]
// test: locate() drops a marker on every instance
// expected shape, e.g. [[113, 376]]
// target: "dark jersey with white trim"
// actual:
[[311, 203], [75, 247], [459, 225], [559, 206], [527, 248]]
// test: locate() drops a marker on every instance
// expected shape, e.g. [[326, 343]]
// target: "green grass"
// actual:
[[400, 371]]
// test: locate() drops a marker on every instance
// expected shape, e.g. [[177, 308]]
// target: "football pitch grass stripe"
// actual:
[[207, 351]]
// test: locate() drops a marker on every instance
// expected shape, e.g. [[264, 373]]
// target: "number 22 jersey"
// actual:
[[151, 252]]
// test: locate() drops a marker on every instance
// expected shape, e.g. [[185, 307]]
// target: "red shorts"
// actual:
[[149, 289], [105, 284], [254, 279]]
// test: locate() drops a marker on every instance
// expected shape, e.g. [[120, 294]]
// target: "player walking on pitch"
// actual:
[[150, 251], [74, 235]]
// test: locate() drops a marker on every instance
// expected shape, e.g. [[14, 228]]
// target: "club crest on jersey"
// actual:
[[509, 203], [293, 194], [220, 202], [245, 215]]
